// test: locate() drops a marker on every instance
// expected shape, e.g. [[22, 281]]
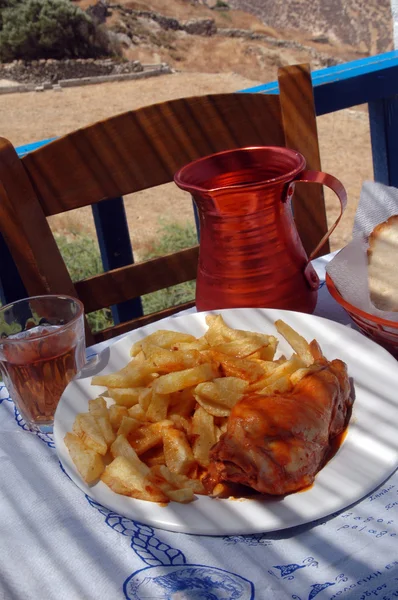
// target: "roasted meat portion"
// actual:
[[276, 444]]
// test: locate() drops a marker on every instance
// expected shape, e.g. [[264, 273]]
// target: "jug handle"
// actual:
[[334, 184]]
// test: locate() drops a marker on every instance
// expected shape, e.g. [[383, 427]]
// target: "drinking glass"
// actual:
[[42, 347]]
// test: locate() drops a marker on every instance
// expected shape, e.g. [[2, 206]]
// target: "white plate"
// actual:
[[367, 457]]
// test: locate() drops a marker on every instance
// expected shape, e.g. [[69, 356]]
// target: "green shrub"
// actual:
[[82, 258], [171, 238], [176, 294], [81, 255], [34, 29]]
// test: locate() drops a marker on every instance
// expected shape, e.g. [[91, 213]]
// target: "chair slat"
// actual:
[[26, 230], [298, 115], [144, 148], [107, 334], [139, 279]]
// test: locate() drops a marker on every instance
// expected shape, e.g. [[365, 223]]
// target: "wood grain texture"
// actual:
[[138, 279], [299, 121], [144, 148], [131, 152]]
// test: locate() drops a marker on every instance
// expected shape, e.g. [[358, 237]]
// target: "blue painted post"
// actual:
[[11, 286], [115, 247], [383, 118]]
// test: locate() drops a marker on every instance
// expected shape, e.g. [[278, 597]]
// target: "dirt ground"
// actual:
[[29, 117]]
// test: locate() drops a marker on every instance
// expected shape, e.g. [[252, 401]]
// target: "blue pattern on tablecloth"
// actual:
[[45, 527], [167, 572]]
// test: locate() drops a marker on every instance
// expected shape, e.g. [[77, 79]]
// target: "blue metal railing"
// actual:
[[372, 81]]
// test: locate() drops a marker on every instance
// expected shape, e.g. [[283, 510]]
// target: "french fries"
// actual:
[[149, 436], [88, 462]]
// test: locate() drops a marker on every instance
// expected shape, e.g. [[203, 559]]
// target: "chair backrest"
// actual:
[[137, 150]]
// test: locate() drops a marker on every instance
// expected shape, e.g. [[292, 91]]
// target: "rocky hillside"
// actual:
[[366, 24], [211, 37]]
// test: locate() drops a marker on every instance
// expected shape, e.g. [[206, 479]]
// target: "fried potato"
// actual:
[[87, 428], [238, 342], [296, 341], [162, 338], [300, 373], [225, 490], [116, 414], [148, 436], [121, 447], [182, 403], [122, 476], [316, 351], [99, 410], [281, 385], [199, 344], [240, 349], [204, 434], [167, 361], [217, 397], [268, 352], [153, 457], [216, 330], [238, 367], [286, 368], [144, 398], [183, 495], [173, 382], [127, 425], [89, 463], [178, 453], [178, 481], [115, 483], [133, 374], [164, 481], [180, 422], [268, 367], [137, 412], [127, 397], [98, 407], [279, 380], [157, 408]]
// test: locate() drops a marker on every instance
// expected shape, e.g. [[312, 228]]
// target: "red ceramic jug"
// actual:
[[250, 251]]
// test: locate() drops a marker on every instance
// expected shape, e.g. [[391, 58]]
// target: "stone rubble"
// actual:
[[52, 71]]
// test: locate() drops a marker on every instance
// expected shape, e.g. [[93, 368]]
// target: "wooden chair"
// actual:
[[137, 150]]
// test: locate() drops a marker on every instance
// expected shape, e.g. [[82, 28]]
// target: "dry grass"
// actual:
[[24, 118]]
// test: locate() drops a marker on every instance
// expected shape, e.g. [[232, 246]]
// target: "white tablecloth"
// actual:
[[57, 543]]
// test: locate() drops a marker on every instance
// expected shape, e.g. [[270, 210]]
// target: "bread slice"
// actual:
[[383, 265]]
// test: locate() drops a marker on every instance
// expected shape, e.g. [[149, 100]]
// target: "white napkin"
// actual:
[[349, 268]]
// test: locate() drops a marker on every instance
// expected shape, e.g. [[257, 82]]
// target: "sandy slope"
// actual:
[[27, 117]]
